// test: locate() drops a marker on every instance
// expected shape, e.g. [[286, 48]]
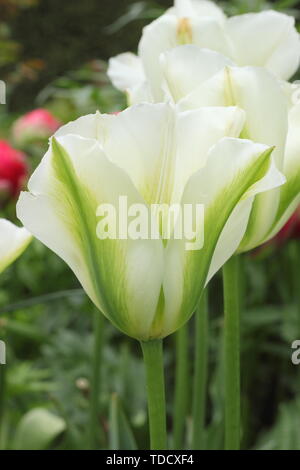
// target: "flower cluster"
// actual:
[[211, 121]]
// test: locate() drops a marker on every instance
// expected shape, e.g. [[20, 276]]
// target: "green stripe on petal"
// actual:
[[290, 192], [233, 173], [74, 178]]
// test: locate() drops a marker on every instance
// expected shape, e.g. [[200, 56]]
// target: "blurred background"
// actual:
[[53, 57]]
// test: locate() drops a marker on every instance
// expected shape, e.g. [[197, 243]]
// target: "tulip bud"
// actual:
[[35, 125], [13, 170]]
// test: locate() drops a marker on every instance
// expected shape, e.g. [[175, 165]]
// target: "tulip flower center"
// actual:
[[184, 31]]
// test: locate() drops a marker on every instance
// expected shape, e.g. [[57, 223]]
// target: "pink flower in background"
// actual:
[[290, 231], [35, 125], [13, 170]]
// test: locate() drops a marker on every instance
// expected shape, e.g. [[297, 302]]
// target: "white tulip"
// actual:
[[152, 154], [193, 77], [267, 39]]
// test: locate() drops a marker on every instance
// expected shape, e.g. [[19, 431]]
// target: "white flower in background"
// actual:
[[193, 77], [151, 153], [267, 39], [13, 241]]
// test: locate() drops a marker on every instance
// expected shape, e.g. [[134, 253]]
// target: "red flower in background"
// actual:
[[35, 125], [13, 170], [290, 230]]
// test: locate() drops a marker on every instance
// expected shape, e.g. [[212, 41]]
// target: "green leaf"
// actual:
[[120, 433], [37, 429]]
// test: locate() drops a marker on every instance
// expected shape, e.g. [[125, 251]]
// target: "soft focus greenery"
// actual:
[[53, 55]]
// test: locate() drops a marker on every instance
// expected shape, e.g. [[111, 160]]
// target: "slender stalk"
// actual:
[[294, 260], [232, 354], [153, 360], [95, 430], [2, 399], [181, 386], [200, 373]]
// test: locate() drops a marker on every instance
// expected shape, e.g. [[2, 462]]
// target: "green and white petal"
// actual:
[[162, 148], [141, 140], [266, 39], [237, 223], [252, 89], [126, 71], [261, 96], [197, 131], [235, 171], [72, 181], [266, 109], [290, 192], [13, 241]]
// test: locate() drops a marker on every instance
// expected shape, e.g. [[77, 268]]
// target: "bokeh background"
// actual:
[[53, 57]]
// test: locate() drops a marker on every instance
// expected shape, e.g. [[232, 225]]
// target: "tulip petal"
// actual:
[[13, 241], [241, 166], [186, 67], [252, 89], [73, 179], [126, 71], [290, 192], [261, 96], [267, 39], [88, 126], [161, 148], [231, 236], [197, 131]]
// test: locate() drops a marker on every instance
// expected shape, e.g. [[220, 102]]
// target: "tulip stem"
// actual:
[[181, 386], [95, 436], [200, 373], [232, 353], [2, 400], [153, 360]]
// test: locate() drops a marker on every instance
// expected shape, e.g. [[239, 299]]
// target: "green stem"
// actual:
[[232, 354], [181, 386], [95, 434], [153, 360], [2, 400], [294, 261], [200, 373]]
